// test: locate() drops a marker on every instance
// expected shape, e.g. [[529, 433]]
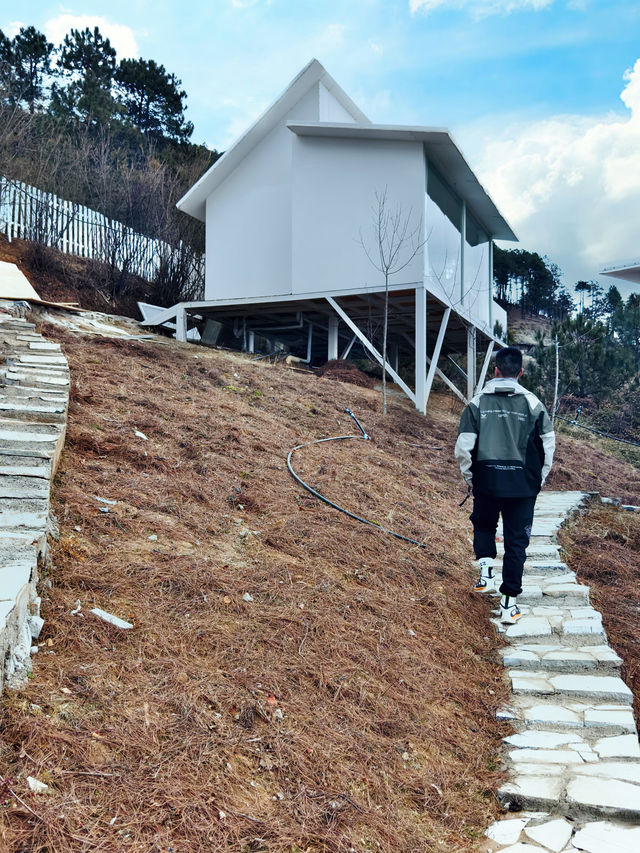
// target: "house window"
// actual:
[[476, 269], [443, 222]]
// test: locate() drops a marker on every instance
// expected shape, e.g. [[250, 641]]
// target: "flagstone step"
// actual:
[[576, 626], [25, 466], [610, 790], [15, 324], [32, 410], [37, 371], [20, 392], [559, 714], [19, 487], [608, 688], [35, 345], [560, 590], [560, 658], [36, 379], [50, 362], [29, 439]]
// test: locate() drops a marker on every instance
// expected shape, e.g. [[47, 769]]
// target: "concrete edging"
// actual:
[[34, 398]]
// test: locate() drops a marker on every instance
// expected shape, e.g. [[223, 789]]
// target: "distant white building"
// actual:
[[626, 270], [286, 209]]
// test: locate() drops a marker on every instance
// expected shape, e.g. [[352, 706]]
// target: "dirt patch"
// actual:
[[58, 277], [346, 371], [603, 547]]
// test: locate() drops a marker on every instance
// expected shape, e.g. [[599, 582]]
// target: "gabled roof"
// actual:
[[441, 150], [193, 202]]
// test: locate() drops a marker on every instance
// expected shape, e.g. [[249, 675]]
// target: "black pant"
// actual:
[[517, 518]]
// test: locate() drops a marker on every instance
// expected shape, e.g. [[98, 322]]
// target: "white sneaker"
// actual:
[[509, 610], [486, 582]]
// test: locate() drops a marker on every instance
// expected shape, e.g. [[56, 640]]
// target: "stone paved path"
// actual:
[[34, 392], [574, 761]]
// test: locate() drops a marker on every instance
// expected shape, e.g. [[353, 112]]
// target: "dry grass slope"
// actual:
[[603, 547], [349, 706], [387, 737]]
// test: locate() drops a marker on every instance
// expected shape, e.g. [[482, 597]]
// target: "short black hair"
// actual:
[[509, 362]]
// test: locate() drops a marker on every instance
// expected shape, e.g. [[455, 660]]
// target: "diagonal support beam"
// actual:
[[436, 353], [471, 360], [368, 345], [448, 382], [485, 366], [347, 349], [162, 316], [439, 372]]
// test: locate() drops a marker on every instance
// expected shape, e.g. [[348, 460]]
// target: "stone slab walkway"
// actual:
[[34, 392], [574, 760]]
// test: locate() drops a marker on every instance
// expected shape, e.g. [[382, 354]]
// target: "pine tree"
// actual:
[[152, 99], [31, 59], [88, 61]]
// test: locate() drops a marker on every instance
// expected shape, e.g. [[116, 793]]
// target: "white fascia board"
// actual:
[[296, 297], [626, 270], [247, 301], [194, 200], [440, 148]]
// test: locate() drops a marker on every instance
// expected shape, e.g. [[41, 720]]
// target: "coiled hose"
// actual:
[[362, 437]]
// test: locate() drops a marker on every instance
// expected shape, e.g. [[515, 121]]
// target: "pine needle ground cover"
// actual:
[[294, 681], [603, 547]]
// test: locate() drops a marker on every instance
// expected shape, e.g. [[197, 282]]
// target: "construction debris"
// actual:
[[110, 618]]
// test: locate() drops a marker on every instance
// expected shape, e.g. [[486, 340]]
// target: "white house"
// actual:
[[287, 209]]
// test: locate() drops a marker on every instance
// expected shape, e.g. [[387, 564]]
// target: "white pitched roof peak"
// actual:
[[193, 202]]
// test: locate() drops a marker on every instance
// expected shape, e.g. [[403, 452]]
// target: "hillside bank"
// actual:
[[294, 680]]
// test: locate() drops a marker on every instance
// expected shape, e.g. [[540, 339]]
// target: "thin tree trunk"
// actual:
[[384, 343], [555, 390]]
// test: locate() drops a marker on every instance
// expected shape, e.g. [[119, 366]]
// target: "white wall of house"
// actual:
[[330, 109], [248, 216], [333, 202]]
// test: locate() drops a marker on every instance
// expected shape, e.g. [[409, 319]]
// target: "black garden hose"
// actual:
[[316, 494]]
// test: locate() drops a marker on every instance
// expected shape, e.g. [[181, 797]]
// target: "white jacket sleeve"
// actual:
[[467, 438], [549, 446]]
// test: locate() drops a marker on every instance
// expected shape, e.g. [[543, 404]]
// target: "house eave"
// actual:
[[440, 148]]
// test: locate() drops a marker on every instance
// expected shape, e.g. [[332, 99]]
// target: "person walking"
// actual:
[[505, 450]]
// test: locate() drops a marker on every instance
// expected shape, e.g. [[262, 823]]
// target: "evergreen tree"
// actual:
[[6, 68], [581, 288], [152, 99], [88, 61], [592, 362], [531, 281], [31, 60]]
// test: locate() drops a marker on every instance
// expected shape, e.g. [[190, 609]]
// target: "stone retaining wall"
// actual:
[[34, 395]]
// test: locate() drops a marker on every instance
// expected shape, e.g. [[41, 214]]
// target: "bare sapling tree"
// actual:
[[394, 243]]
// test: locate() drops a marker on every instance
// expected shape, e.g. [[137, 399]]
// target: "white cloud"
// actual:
[[570, 185], [120, 36], [479, 7], [14, 28]]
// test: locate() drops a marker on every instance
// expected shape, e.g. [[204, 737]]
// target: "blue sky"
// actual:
[[531, 89]]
